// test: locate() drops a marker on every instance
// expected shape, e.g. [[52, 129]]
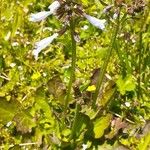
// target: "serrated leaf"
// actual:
[[100, 125]]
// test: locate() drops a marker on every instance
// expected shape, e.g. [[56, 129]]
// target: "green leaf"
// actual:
[[18, 21], [144, 143], [36, 76], [83, 122], [107, 94], [100, 125], [126, 84], [24, 122], [57, 88], [85, 2], [42, 103], [7, 110], [14, 78]]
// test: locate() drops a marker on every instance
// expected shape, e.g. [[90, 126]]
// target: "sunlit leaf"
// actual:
[[42, 102], [7, 110], [126, 84], [83, 122], [36, 76], [14, 78], [57, 88], [100, 125], [144, 142], [91, 88], [24, 122]]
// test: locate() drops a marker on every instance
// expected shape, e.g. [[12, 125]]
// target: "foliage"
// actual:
[[107, 106]]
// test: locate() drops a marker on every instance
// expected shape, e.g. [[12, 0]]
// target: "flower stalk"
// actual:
[[107, 58], [73, 63]]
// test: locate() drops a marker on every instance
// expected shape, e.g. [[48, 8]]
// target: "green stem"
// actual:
[[107, 58], [139, 65], [73, 134], [73, 63], [141, 54]]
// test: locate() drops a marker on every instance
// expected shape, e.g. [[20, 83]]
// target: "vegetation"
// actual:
[[88, 89]]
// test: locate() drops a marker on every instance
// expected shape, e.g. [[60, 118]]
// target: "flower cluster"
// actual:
[[64, 10]]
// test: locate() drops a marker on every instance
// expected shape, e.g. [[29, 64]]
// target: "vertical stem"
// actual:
[[73, 63], [107, 58], [140, 50], [139, 65], [73, 134]]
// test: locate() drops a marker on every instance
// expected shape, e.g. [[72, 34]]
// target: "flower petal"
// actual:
[[43, 44], [99, 23], [39, 16], [54, 6]]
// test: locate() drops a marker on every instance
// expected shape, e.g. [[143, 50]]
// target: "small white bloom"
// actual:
[[43, 44], [20, 68], [44, 74], [84, 146], [12, 65], [99, 23], [39, 16], [54, 6], [115, 15], [9, 124], [15, 44], [7, 36], [85, 27], [127, 104]]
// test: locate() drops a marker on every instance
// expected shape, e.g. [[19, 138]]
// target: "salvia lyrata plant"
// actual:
[[65, 11]]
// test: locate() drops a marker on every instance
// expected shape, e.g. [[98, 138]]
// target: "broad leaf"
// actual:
[[7, 110], [126, 84], [24, 122], [42, 103], [83, 122], [101, 124]]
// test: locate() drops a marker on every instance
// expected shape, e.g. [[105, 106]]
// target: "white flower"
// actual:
[[85, 27], [54, 6], [39, 16], [12, 65], [99, 23], [115, 15], [44, 14], [43, 44], [9, 124], [84, 146], [15, 44], [127, 104]]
